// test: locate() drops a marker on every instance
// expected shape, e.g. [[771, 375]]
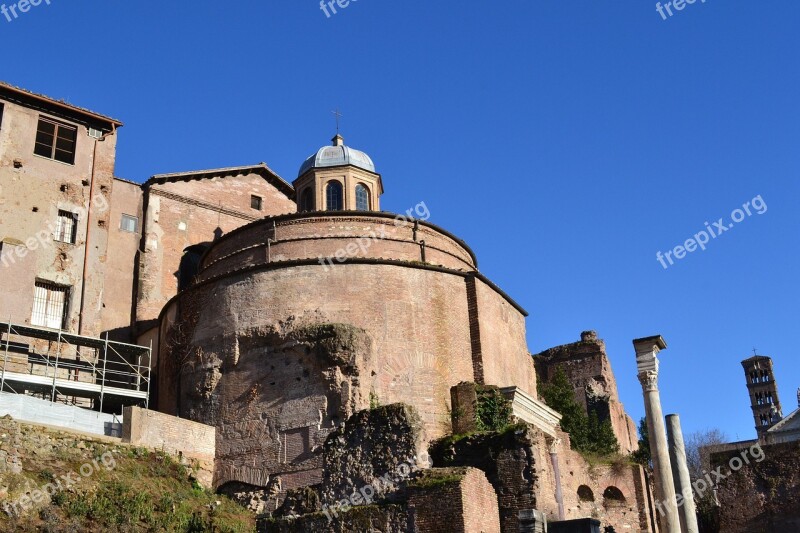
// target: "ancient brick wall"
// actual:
[[518, 465], [615, 494], [453, 500], [186, 213], [588, 368], [174, 435], [761, 497], [322, 235], [505, 357], [256, 379]]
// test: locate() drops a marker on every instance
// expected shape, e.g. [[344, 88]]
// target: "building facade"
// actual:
[[275, 311]]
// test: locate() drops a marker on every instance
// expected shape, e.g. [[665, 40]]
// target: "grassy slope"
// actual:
[[144, 491]]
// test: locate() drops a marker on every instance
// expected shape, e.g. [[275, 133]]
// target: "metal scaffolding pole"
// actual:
[[55, 373], [103, 375], [149, 365], [5, 357]]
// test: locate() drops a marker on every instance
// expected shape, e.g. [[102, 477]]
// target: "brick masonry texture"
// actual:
[[517, 464], [321, 235], [416, 324], [173, 435], [181, 214], [455, 500], [761, 497], [588, 368]]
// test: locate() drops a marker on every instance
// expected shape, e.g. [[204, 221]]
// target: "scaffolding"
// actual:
[[57, 364]]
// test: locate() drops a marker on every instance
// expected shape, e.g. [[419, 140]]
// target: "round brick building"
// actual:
[[297, 321]]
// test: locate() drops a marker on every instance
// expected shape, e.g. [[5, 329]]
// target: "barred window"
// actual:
[[334, 196], [362, 198], [67, 228], [56, 141], [50, 305]]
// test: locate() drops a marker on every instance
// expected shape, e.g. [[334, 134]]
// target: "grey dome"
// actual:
[[337, 155]]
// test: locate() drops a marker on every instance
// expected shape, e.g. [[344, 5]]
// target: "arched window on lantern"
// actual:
[[362, 198], [334, 199]]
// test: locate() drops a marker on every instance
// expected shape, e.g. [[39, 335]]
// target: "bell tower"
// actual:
[[763, 392]]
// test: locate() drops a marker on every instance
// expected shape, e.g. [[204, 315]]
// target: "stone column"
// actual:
[[680, 472], [647, 364], [553, 444]]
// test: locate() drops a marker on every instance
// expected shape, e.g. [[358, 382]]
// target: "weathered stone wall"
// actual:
[[181, 214], [588, 368], [415, 319], [32, 191], [384, 518], [761, 497], [372, 444]]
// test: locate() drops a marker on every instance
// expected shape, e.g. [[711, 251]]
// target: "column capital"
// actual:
[[553, 444], [647, 350], [649, 380]]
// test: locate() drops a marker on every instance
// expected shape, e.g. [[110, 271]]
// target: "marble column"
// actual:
[[680, 472], [647, 365], [553, 444]]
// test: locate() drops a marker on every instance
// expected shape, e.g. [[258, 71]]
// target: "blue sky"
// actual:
[[566, 141]]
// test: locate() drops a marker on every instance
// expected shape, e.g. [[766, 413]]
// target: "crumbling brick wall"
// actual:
[[588, 368], [453, 500], [761, 497], [372, 444]]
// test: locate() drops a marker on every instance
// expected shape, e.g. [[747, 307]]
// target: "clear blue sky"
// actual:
[[566, 141]]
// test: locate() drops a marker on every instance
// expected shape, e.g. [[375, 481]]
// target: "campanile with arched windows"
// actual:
[[338, 178]]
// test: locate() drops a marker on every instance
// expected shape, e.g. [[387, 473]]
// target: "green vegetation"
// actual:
[[493, 411], [145, 491], [588, 434], [642, 455]]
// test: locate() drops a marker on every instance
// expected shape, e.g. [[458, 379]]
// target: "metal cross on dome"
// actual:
[[338, 115]]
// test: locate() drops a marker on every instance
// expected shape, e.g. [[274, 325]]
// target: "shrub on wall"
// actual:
[[493, 410], [586, 432]]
